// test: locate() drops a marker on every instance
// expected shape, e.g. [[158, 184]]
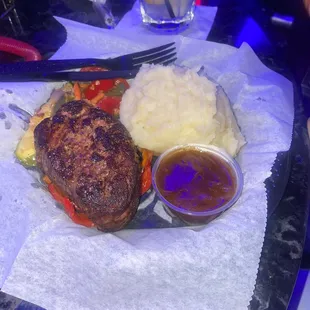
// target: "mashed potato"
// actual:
[[168, 106]]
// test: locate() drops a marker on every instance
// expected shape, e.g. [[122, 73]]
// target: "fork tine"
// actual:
[[162, 59], [150, 51], [168, 62], [149, 58]]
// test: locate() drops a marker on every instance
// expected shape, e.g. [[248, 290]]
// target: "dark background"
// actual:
[[36, 14]]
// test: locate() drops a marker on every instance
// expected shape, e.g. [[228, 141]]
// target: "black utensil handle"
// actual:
[[68, 76], [52, 65]]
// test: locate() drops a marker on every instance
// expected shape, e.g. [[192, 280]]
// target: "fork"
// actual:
[[164, 55]]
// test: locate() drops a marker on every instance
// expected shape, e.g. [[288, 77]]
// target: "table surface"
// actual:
[[236, 22]]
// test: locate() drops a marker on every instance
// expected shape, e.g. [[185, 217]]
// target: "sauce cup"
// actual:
[[181, 209]]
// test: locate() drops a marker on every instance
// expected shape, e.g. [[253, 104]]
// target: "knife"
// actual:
[[68, 76]]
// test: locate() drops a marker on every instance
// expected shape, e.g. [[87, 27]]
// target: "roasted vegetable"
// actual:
[[146, 176], [111, 100], [110, 105], [77, 91], [78, 218], [25, 150]]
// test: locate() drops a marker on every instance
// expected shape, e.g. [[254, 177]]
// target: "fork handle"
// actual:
[[44, 66]]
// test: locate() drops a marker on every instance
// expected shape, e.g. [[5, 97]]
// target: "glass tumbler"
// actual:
[[167, 14]]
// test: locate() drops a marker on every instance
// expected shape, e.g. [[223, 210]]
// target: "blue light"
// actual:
[[252, 33], [298, 290]]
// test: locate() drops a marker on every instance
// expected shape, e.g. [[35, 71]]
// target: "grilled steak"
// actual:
[[91, 158]]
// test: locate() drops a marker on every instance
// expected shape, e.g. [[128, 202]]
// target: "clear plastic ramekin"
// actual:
[[200, 217]]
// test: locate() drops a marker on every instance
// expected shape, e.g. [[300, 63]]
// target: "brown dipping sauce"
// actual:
[[195, 180]]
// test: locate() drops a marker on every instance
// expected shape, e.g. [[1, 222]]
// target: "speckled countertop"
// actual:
[[288, 211], [288, 186]]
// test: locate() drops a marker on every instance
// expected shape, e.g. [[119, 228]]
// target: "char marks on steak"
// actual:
[[92, 159]]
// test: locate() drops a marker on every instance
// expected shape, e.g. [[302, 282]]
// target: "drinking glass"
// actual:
[[167, 14]]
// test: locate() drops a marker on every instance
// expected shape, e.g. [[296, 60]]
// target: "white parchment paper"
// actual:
[[47, 260]]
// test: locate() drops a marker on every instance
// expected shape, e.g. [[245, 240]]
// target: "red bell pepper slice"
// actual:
[[97, 86], [110, 105], [78, 218]]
